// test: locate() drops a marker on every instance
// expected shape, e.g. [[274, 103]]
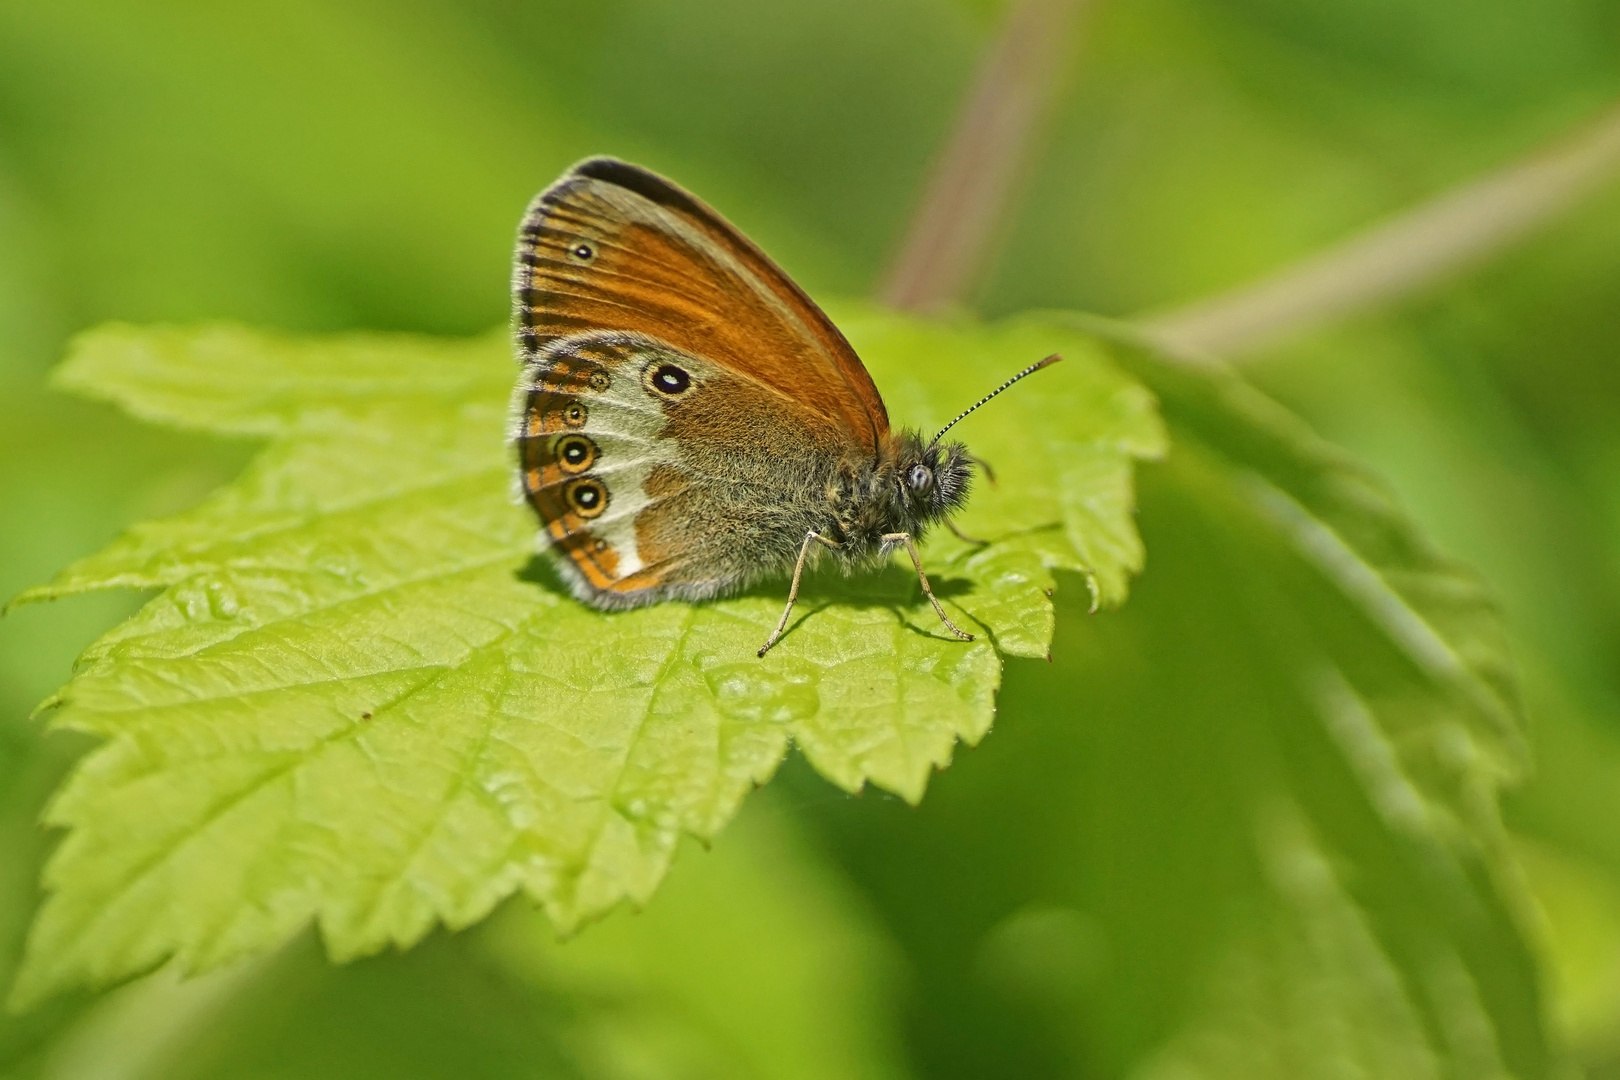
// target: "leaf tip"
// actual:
[[55, 701], [36, 594]]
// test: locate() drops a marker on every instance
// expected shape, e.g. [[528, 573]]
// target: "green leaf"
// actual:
[[1344, 522], [1386, 888], [1255, 812], [755, 963], [1367, 915], [359, 700]]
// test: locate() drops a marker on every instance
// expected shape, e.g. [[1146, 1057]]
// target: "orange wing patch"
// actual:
[[613, 247], [556, 459]]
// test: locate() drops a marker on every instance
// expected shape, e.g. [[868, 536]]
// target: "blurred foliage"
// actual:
[[757, 962], [1087, 893]]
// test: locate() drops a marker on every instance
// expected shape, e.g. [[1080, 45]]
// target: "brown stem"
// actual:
[[945, 249], [1405, 254]]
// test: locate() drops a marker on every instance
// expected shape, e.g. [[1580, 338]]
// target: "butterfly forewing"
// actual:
[[613, 247]]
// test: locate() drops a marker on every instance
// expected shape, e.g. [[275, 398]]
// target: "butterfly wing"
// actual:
[[660, 473], [649, 489], [613, 247]]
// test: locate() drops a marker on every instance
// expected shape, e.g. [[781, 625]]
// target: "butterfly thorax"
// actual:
[[910, 487]]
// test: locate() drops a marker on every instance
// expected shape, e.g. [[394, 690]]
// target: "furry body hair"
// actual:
[[767, 517]]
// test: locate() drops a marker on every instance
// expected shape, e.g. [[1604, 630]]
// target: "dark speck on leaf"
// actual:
[[367, 716]]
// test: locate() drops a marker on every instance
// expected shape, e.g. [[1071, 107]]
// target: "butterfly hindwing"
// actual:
[[657, 472]]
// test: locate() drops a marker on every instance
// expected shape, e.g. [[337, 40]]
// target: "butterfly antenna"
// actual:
[[1032, 369]]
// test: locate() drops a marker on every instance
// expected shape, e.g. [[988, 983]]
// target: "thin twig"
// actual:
[[944, 253], [1460, 229]]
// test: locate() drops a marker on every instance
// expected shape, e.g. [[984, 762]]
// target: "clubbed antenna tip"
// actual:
[[1032, 369]]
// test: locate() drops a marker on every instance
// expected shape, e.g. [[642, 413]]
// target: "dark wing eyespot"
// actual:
[[600, 381], [575, 414], [575, 453], [668, 379], [580, 251], [587, 496]]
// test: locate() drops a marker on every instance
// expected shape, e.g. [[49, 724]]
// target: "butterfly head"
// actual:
[[934, 479]]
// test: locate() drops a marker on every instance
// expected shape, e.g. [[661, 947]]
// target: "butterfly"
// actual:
[[688, 421]]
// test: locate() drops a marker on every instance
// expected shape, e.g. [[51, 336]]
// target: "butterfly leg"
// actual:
[[911, 549], [793, 590], [960, 535]]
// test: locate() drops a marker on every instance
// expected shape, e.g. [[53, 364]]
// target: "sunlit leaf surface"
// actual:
[[360, 699]]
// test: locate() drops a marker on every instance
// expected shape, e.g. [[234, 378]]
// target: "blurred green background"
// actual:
[[1048, 911]]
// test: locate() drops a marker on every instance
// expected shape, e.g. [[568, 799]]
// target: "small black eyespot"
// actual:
[[920, 477], [587, 496], [583, 252], [669, 379], [576, 453], [575, 414]]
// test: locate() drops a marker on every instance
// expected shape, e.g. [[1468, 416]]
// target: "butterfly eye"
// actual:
[[920, 477], [576, 453], [587, 496], [583, 252], [669, 379]]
